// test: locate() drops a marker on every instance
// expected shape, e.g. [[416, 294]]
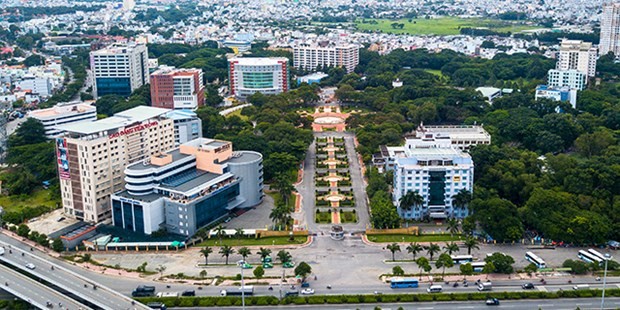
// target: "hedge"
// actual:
[[216, 301]]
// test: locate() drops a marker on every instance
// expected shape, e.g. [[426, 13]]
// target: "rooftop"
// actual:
[[144, 165], [258, 61], [143, 198], [240, 157], [117, 48], [119, 120], [193, 183], [74, 107]]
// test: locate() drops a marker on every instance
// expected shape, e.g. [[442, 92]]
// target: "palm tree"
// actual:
[[161, 269], [394, 247], [453, 226], [219, 232], [239, 233], [471, 243], [414, 248], [410, 199], [244, 252], [226, 251], [284, 256], [284, 187], [432, 249], [263, 252], [205, 252], [280, 214], [461, 199], [451, 248]]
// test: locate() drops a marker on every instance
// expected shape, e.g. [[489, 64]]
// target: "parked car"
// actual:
[[288, 265], [246, 266], [492, 302], [528, 286], [307, 291], [267, 265]]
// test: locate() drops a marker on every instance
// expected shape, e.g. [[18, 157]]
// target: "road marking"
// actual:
[[584, 304], [542, 288], [427, 308], [465, 307]]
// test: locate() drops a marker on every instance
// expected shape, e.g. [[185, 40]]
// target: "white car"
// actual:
[[307, 291], [30, 266]]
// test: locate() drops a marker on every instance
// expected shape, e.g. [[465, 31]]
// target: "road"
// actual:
[[34, 292], [68, 280], [556, 304]]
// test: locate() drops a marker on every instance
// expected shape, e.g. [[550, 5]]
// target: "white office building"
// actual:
[[41, 86], [610, 29], [577, 55], [64, 114], [119, 69], [309, 56], [572, 79], [436, 170], [249, 75], [557, 94], [92, 157], [187, 126]]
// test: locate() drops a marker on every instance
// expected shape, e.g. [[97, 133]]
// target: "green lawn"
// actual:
[[323, 217], [435, 72], [251, 241], [411, 238], [348, 217], [237, 113], [17, 202], [441, 25]]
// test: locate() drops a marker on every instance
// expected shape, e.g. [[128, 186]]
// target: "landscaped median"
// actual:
[[212, 301]]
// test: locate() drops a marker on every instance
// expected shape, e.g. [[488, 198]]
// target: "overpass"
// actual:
[[80, 286], [34, 292]]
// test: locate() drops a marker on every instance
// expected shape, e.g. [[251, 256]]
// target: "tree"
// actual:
[[284, 256], [451, 248], [471, 243], [453, 226], [432, 249], [161, 269], [238, 233], [219, 232], [23, 230], [226, 251], [422, 262], [34, 60], [414, 248], [488, 268], [394, 247], [531, 268], [30, 132], [461, 199], [263, 252], [577, 267], [282, 184], [244, 252], [444, 261], [383, 214], [398, 271], [205, 252], [466, 269], [469, 225], [203, 274], [501, 263], [411, 199], [259, 272], [57, 245], [302, 270]]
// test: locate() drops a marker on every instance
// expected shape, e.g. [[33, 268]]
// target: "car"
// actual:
[[246, 266], [60, 219], [30, 266], [528, 286], [307, 291], [292, 292], [228, 219], [267, 259], [267, 265], [188, 293], [492, 302], [288, 265]]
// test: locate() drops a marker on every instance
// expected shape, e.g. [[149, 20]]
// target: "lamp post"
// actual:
[[240, 264], [1, 213], [607, 258]]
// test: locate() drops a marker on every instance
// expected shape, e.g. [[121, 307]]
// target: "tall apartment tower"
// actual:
[[92, 157], [577, 55], [309, 56], [249, 75], [173, 88], [119, 69], [610, 29]]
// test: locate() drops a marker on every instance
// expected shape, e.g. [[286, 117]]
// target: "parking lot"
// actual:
[[256, 218], [48, 223]]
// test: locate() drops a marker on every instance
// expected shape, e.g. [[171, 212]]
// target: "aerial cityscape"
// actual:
[[310, 154]]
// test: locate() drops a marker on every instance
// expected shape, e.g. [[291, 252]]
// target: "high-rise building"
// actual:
[[92, 157], [577, 55], [557, 94], [187, 126], [119, 69], [573, 79], [249, 75], [41, 86], [173, 88], [62, 114], [309, 56], [610, 29], [188, 187]]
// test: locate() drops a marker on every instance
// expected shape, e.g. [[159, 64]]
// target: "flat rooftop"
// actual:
[[63, 109], [142, 165], [241, 157], [258, 61], [202, 178], [119, 120], [148, 198]]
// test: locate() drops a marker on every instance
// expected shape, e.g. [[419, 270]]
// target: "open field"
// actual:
[[440, 26], [18, 202], [412, 238]]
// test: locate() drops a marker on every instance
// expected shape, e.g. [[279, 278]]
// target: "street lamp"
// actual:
[[607, 258], [1, 212], [241, 263]]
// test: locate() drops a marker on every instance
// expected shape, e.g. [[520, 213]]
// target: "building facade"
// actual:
[[577, 55], [63, 114], [92, 157], [309, 56], [119, 69], [187, 126], [41, 86], [437, 171], [173, 88], [188, 187], [572, 79], [564, 94], [610, 29], [249, 75]]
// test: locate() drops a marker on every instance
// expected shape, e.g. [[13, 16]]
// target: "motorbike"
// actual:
[[455, 284], [465, 284], [329, 287], [271, 288]]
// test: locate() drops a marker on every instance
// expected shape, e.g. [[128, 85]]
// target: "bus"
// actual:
[[586, 256], [461, 259], [478, 266], [532, 258], [598, 254], [403, 282]]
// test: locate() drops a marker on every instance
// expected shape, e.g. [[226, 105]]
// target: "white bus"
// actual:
[[434, 289], [532, 258], [462, 259], [478, 266], [586, 256], [596, 253]]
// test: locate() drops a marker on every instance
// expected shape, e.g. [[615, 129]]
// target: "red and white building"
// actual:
[[249, 75], [173, 88]]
